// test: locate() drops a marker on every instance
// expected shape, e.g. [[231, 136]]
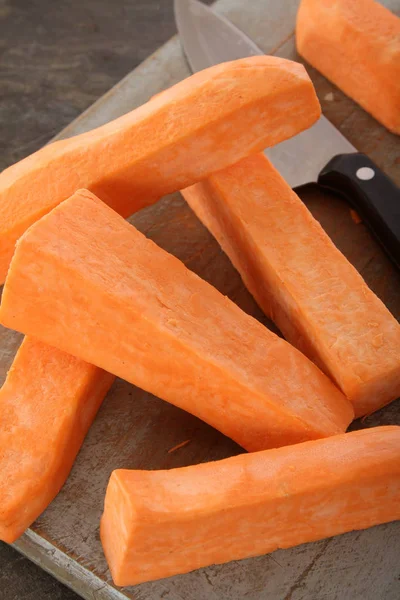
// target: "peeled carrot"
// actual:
[[47, 405], [301, 280], [355, 44], [177, 138], [97, 288], [161, 523]]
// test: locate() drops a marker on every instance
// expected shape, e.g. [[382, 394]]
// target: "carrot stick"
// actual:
[[301, 280], [47, 404], [358, 49], [200, 125], [97, 288], [161, 523]]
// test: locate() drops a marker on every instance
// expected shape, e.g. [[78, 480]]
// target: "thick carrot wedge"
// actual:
[[301, 280], [177, 138], [355, 44], [161, 523], [97, 288], [47, 405]]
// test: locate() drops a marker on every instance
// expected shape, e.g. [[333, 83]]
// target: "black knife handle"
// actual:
[[371, 193]]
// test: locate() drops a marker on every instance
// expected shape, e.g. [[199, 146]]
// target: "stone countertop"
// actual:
[[57, 58]]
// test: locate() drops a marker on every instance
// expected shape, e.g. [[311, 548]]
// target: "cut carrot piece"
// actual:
[[178, 446], [355, 44], [47, 405], [301, 280], [161, 523], [97, 288], [174, 140], [355, 216]]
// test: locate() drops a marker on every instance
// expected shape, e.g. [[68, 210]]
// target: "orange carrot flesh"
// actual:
[[161, 523], [301, 280], [47, 405], [177, 138], [98, 289], [358, 49]]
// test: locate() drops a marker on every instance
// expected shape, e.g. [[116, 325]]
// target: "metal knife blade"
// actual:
[[209, 39]]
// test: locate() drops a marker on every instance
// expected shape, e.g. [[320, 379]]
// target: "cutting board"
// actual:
[[135, 430]]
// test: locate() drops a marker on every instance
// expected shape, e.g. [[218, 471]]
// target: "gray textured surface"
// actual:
[[57, 58], [359, 565], [20, 579]]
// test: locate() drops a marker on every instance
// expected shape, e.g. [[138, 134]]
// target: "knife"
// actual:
[[320, 154]]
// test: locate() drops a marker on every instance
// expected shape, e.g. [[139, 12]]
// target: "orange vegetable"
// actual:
[[97, 288], [161, 523], [355, 217], [301, 280], [355, 44], [47, 405], [176, 139]]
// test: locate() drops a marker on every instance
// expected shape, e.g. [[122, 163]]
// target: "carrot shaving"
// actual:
[[355, 216], [178, 446]]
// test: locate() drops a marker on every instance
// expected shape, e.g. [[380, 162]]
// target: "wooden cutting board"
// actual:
[[135, 430]]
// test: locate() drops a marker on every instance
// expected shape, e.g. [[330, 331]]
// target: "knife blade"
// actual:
[[320, 154]]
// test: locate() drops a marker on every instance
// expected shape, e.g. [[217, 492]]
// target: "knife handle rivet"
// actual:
[[365, 173]]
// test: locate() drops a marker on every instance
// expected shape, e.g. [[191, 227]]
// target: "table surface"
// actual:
[[57, 59]]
